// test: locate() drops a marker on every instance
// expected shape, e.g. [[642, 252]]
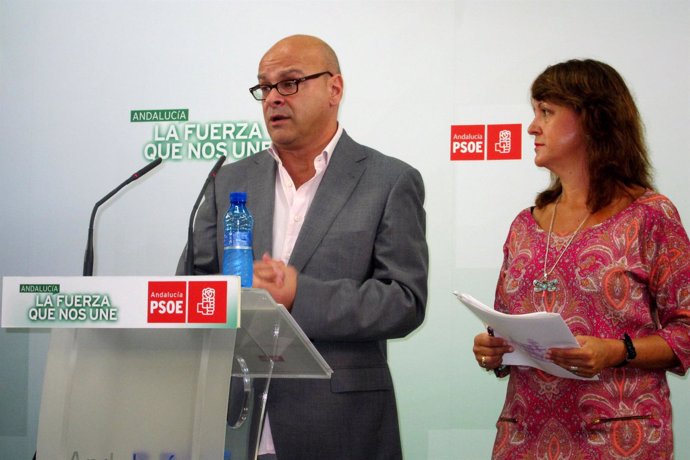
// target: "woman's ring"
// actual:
[[483, 362]]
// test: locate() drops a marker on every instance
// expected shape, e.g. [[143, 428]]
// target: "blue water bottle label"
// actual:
[[241, 240], [238, 257]]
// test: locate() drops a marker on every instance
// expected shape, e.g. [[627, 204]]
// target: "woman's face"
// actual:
[[559, 140]]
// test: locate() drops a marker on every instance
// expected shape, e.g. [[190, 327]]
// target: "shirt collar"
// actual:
[[327, 151]]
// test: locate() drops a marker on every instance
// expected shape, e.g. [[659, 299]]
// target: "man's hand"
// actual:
[[278, 279]]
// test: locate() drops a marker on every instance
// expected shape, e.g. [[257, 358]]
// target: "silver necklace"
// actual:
[[544, 284]]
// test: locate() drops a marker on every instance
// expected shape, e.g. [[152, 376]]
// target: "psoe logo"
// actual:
[[167, 302], [490, 142], [208, 301], [187, 302], [467, 142]]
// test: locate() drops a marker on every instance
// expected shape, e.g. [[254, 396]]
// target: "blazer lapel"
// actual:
[[261, 184], [339, 181]]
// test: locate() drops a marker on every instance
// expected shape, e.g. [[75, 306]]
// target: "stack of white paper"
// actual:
[[530, 334]]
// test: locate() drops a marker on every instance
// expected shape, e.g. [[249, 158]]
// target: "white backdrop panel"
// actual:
[[71, 72]]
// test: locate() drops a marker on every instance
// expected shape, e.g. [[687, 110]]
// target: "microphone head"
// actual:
[[216, 167], [147, 168]]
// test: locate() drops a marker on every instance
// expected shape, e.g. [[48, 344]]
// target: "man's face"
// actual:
[[304, 119]]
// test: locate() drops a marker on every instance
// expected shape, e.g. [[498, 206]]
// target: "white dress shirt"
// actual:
[[291, 207]]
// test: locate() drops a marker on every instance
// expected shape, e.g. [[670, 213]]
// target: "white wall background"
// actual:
[[71, 71]]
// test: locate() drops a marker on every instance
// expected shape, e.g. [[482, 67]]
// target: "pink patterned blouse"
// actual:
[[628, 274]]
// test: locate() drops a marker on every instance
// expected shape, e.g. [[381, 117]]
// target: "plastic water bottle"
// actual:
[[238, 258]]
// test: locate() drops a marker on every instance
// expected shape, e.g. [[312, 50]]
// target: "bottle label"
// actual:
[[241, 240], [239, 262]]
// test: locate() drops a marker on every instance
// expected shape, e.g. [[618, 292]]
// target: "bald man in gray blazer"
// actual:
[[356, 274]]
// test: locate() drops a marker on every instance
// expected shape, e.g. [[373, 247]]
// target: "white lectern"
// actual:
[[140, 368]]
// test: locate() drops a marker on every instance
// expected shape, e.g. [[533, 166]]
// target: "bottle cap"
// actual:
[[238, 197]]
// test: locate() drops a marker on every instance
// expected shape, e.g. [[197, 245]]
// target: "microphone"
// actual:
[[189, 259], [88, 255]]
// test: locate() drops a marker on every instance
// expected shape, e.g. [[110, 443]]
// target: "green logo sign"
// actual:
[[40, 288], [159, 115], [174, 137], [80, 307]]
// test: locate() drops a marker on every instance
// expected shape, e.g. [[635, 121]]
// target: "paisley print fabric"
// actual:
[[628, 274]]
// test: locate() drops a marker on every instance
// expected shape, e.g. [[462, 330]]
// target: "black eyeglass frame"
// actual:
[[265, 89]]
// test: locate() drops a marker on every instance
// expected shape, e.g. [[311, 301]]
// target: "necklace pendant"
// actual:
[[545, 285]]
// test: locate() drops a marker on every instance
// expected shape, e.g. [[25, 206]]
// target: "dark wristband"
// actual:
[[630, 352]]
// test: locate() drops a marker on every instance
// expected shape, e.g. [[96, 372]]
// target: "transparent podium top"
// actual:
[[270, 337]]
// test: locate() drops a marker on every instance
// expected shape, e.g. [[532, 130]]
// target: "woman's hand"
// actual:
[[593, 355], [489, 350], [596, 354]]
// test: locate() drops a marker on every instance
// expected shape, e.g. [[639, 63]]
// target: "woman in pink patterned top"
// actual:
[[611, 256]]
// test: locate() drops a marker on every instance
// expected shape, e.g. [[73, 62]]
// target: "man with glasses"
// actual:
[[340, 242]]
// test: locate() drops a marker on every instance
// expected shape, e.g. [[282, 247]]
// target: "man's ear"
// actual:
[[336, 89]]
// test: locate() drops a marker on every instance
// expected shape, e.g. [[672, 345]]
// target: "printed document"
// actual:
[[530, 334]]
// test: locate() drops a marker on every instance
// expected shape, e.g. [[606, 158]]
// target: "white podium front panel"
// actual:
[[139, 367], [144, 394]]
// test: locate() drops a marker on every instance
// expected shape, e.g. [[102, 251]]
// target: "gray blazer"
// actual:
[[362, 263]]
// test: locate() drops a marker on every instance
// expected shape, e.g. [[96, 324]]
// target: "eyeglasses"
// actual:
[[284, 87]]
